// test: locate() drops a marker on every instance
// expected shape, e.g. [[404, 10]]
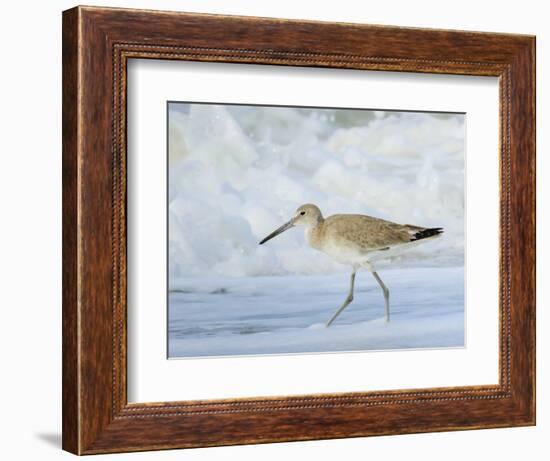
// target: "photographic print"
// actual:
[[313, 230], [325, 226]]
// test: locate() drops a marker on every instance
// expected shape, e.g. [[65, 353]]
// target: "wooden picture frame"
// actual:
[[97, 43]]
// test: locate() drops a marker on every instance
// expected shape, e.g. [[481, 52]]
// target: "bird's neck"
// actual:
[[313, 234]]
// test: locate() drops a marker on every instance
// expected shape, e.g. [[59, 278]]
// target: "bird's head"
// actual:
[[307, 215]]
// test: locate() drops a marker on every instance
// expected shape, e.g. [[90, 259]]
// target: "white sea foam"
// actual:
[[238, 172]]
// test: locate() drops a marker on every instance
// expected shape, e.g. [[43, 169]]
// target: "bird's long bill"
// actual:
[[278, 231]]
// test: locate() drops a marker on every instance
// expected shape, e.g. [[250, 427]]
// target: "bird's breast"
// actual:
[[336, 250], [313, 237]]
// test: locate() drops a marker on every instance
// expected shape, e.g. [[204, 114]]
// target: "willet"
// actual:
[[356, 240]]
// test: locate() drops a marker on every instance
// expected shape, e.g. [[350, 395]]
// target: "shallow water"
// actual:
[[213, 316]]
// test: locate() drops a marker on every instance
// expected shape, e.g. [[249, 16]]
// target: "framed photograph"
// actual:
[[281, 230]]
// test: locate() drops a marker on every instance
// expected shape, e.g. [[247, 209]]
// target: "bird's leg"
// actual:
[[348, 300], [386, 294]]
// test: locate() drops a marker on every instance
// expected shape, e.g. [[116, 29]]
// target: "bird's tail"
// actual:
[[424, 233]]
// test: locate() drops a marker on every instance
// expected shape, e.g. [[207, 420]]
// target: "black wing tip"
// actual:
[[426, 233]]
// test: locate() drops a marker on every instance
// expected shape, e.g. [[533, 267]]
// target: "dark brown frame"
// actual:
[[97, 43]]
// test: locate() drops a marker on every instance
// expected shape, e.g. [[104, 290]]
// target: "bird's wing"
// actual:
[[366, 232]]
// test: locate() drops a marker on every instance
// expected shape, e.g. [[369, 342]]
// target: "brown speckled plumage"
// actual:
[[355, 233], [366, 233]]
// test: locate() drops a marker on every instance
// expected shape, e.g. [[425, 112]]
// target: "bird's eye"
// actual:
[[302, 213]]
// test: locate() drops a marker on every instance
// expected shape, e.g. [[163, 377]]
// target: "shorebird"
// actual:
[[356, 240]]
